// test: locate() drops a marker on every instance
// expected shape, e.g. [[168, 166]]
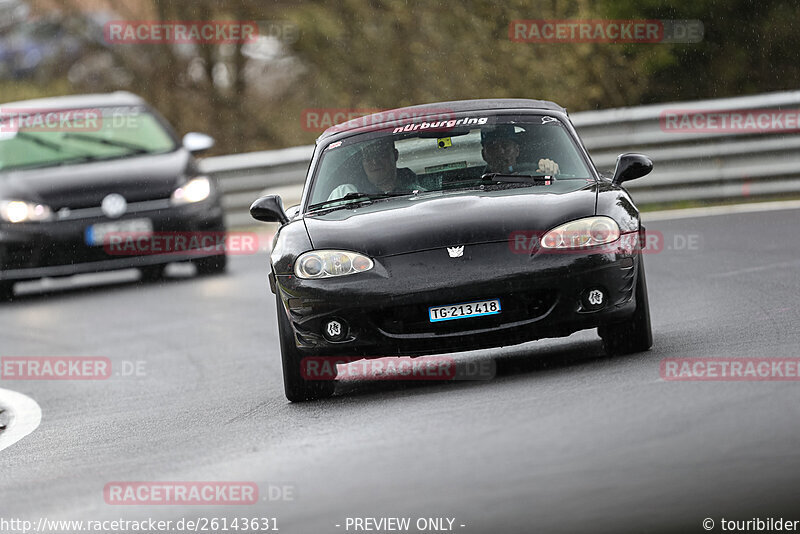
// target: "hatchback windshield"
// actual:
[[436, 156], [37, 138]]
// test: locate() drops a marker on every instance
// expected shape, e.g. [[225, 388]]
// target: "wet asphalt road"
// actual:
[[563, 439]]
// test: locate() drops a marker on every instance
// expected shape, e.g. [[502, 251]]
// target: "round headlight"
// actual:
[[330, 263], [17, 211], [311, 266], [601, 230], [194, 190], [337, 264], [362, 263], [587, 232]]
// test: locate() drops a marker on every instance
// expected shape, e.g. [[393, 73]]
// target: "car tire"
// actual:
[[6, 291], [211, 265], [296, 388], [635, 334], [152, 273]]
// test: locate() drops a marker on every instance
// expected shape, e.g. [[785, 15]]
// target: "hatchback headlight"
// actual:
[[330, 263], [582, 233], [194, 190], [16, 211]]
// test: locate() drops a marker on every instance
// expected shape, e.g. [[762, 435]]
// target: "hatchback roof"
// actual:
[[119, 98]]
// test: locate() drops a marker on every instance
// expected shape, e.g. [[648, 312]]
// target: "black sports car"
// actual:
[[77, 170], [450, 227]]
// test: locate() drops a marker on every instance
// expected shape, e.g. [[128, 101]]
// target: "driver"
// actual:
[[500, 150], [379, 161]]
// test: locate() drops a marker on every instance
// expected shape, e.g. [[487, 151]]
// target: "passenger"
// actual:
[[500, 150], [379, 161]]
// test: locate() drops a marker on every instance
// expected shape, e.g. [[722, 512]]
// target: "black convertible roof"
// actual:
[[439, 108]]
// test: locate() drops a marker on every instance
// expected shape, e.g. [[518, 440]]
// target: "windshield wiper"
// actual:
[[134, 149], [516, 178], [82, 158], [465, 183], [39, 141], [361, 197]]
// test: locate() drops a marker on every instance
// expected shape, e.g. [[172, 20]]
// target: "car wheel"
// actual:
[[6, 291], [211, 265], [634, 335], [297, 388], [152, 273]]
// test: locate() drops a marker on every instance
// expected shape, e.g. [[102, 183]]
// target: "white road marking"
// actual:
[[778, 265], [24, 416], [690, 213]]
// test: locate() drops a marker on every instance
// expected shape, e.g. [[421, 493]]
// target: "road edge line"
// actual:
[[710, 211], [24, 416]]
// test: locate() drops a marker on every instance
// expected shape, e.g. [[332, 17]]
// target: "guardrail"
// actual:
[[688, 166]]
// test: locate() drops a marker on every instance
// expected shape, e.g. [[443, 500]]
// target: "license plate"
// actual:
[[464, 310], [98, 234]]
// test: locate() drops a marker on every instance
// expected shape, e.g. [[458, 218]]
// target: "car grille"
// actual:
[[67, 214], [51, 254]]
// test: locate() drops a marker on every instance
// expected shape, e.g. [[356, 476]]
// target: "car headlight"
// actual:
[[329, 263], [194, 190], [16, 211], [582, 233]]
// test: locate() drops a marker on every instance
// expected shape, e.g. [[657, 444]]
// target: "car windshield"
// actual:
[[38, 138], [436, 156]]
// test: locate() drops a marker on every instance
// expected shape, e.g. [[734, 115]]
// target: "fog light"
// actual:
[[335, 330], [594, 298]]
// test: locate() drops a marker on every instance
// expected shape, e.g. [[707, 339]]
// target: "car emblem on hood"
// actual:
[[114, 205], [455, 252]]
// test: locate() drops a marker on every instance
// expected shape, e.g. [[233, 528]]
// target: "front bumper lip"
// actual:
[[57, 248], [129, 262], [544, 298], [511, 325]]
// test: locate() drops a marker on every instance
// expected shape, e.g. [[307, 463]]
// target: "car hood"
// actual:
[[436, 220], [146, 177]]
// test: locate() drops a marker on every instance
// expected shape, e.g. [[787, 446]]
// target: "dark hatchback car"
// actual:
[[76, 170], [450, 227]]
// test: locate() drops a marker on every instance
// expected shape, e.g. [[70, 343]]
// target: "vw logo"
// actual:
[[114, 205]]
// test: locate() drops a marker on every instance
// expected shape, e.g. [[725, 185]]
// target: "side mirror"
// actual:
[[631, 166], [269, 209], [197, 142]]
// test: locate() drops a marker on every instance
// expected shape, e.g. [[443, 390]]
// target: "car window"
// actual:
[[27, 139], [429, 160]]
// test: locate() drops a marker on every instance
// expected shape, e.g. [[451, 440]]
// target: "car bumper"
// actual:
[[385, 311], [58, 248]]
